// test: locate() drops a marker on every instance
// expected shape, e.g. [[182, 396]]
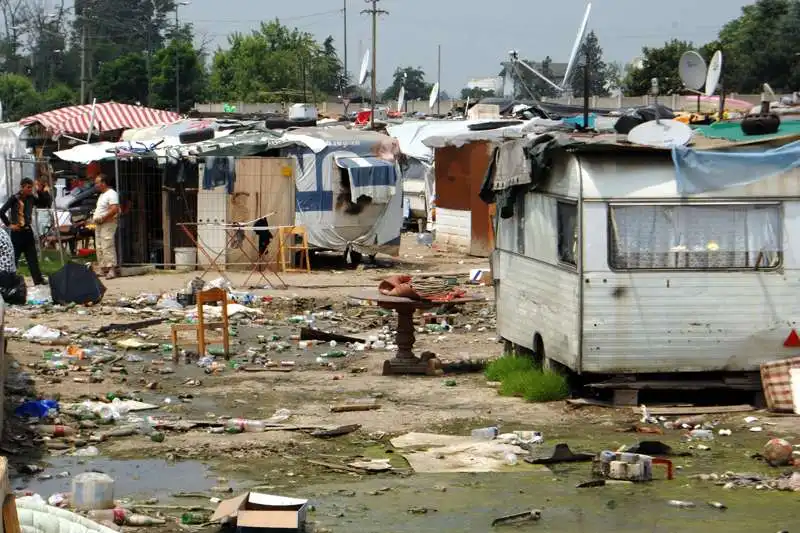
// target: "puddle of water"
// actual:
[[146, 478], [472, 501]]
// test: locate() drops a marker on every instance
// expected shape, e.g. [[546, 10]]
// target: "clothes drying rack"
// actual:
[[237, 238]]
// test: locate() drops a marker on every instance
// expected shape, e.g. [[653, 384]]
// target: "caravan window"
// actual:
[[694, 237], [567, 214]]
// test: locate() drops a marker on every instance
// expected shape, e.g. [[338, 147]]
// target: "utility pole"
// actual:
[[84, 40], [177, 62], [374, 12], [439, 83], [344, 11]]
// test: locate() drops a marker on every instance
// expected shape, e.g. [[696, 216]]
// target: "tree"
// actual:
[[57, 96], [661, 63], [591, 54], [192, 75], [123, 80], [757, 46], [273, 64], [19, 97], [414, 81], [475, 93]]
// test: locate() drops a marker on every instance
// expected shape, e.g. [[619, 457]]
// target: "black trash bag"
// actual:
[[639, 115], [77, 284], [13, 289]]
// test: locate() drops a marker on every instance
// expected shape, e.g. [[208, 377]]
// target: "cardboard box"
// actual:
[[255, 511]]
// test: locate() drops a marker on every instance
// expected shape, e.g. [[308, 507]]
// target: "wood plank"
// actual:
[[673, 385], [166, 225], [706, 410], [10, 518]]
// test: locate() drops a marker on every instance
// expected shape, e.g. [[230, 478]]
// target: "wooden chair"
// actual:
[[289, 249], [205, 297]]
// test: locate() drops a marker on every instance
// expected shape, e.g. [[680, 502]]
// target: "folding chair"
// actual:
[[204, 297]]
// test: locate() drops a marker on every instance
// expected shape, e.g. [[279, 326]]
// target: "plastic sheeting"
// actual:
[[700, 171], [370, 229], [370, 176]]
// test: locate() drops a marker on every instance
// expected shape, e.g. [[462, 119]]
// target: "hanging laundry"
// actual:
[[220, 171]]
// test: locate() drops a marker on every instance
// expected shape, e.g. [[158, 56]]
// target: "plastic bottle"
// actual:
[[701, 434], [243, 425], [485, 433], [117, 515], [55, 431], [193, 518], [143, 520]]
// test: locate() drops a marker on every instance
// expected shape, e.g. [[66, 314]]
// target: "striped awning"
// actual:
[[108, 116]]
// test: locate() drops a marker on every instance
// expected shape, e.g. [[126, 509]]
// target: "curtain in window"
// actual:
[[694, 237]]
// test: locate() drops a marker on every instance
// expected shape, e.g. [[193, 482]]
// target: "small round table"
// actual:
[[404, 361]]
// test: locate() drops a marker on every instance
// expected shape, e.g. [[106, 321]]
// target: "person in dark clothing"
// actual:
[[264, 235], [17, 214]]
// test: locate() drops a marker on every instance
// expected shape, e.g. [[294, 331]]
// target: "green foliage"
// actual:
[[760, 46], [475, 94], [192, 76], [661, 63], [19, 97], [60, 95], [519, 377], [275, 63], [413, 79], [123, 80], [592, 54]]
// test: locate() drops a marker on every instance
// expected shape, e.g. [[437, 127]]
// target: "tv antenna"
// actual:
[[573, 57]]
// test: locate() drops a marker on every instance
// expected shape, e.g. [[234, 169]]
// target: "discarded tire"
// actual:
[[761, 124], [196, 136]]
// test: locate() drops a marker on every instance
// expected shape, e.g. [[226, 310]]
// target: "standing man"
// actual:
[[17, 214], [106, 215]]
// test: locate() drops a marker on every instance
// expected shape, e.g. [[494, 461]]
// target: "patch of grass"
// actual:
[[508, 365], [519, 377], [50, 262]]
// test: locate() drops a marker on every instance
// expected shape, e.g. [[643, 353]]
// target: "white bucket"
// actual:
[[185, 259], [92, 490], [794, 380]]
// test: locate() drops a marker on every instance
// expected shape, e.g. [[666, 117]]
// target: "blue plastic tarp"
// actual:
[[699, 171]]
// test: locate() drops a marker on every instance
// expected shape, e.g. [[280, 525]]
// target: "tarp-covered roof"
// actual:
[[108, 116]]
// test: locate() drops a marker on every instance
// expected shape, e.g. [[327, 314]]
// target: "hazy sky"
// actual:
[[475, 35]]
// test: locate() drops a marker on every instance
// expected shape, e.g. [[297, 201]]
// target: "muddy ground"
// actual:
[[279, 461]]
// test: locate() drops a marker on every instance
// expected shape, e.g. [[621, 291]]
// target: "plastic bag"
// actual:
[[37, 408], [39, 295]]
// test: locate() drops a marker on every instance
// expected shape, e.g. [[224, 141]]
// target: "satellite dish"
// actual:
[[661, 134], [362, 74], [576, 46], [692, 70], [434, 95], [714, 72], [768, 90], [401, 98]]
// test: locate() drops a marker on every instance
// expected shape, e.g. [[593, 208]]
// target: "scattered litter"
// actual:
[[681, 504], [42, 333], [533, 514]]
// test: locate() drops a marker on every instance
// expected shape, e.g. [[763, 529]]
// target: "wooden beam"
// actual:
[[166, 226]]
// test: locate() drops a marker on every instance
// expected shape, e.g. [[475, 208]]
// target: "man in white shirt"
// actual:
[[106, 214]]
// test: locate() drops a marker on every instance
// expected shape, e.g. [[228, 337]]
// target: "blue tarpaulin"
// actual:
[[699, 171]]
